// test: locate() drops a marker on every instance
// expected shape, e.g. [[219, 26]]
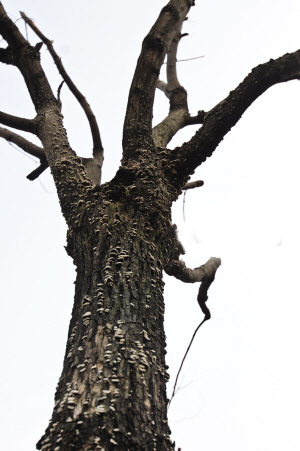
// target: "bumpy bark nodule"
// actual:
[[111, 394]]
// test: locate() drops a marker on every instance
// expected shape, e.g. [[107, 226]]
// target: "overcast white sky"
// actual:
[[240, 384]]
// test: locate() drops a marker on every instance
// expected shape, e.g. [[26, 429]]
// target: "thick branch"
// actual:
[[20, 123], [7, 56], [179, 270], [137, 125], [9, 30], [163, 132], [177, 119], [219, 121], [27, 59], [97, 144]]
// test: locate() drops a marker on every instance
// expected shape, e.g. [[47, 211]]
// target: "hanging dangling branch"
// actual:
[[201, 298]]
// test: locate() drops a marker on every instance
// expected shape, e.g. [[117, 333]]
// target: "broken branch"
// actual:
[[192, 185], [28, 147], [38, 171]]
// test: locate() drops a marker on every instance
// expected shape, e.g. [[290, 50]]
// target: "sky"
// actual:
[[239, 388]]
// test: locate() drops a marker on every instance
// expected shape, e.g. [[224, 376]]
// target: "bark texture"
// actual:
[[111, 394]]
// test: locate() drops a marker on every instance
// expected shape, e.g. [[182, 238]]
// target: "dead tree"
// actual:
[[111, 393]]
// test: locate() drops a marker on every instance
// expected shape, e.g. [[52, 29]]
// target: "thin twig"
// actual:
[[186, 353], [201, 298], [58, 91], [188, 59]]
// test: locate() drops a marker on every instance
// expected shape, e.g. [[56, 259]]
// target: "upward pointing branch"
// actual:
[[179, 115], [97, 144], [219, 121], [138, 121]]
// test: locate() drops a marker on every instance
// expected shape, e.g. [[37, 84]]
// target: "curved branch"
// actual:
[[219, 121], [178, 269], [138, 120], [20, 123], [97, 144], [205, 274]]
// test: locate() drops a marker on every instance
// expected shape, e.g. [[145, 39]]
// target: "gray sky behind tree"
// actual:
[[240, 383]]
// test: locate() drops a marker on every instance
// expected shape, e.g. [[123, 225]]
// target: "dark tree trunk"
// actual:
[[111, 394]]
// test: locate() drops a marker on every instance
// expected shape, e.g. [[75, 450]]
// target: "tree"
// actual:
[[130, 184]]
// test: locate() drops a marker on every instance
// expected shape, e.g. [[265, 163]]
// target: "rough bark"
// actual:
[[138, 119], [111, 394], [95, 163]]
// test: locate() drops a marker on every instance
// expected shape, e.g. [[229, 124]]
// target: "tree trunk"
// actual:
[[111, 394]]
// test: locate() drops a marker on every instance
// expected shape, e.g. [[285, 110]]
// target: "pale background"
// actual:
[[240, 384]]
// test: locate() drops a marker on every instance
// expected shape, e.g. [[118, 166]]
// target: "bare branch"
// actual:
[[27, 59], [192, 185], [38, 171], [164, 131], [28, 147], [9, 30], [172, 79], [189, 59], [67, 170], [178, 269], [137, 125], [23, 143], [97, 144], [178, 116], [210, 269], [20, 123], [219, 121], [206, 318]]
